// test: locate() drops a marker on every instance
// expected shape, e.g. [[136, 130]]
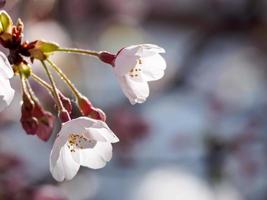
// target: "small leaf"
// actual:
[[46, 47], [42, 49], [6, 21], [1, 28]]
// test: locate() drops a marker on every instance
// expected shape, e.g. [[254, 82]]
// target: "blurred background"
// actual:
[[202, 132]]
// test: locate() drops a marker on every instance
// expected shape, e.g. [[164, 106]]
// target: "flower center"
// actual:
[[136, 70], [78, 141]]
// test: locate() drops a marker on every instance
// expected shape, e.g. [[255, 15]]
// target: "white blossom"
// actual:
[[81, 142], [6, 91], [135, 66]]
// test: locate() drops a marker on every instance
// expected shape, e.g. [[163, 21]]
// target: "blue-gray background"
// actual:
[[202, 132]]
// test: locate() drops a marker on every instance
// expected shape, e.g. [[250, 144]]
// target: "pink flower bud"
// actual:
[[27, 106], [64, 116], [107, 57], [29, 124], [84, 105], [97, 113], [87, 109], [46, 123], [35, 120], [66, 102]]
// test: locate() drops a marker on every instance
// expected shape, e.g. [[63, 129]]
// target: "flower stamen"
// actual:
[[136, 70], [76, 142]]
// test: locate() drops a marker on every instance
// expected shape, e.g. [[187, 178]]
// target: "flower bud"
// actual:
[[35, 120], [64, 116], [84, 105], [107, 57], [30, 125], [23, 69], [66, 102], [97, 113], [27, 103], [87, 109], [45, 126]]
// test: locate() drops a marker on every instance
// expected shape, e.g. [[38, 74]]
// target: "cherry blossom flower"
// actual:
[[134, 67], [81, 142], [6, 91]]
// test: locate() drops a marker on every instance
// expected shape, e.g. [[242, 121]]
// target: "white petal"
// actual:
[[146, 50], [104, 149], [66, 167], [57, 170], [137, 92], [74, 126], [153, 67], [91, 158], [96, 134], [5, 68], [6, 93], [124, 62], [55, 152], [105, 131], [128, 57]]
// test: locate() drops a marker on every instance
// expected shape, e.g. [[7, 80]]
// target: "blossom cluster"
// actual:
[[85, 140]]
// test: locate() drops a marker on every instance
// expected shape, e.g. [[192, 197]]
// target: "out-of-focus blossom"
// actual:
[[49, 192], [81, 141], [131, 128], [172, 184], [229, 75], [2, 3], [8, 162], [134, 67], [6, 91]]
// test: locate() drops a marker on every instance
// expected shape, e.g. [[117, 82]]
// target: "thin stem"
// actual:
[[55, 92], [65, 78], [42, 82], [31, 92], [24, 87], [79, 51]]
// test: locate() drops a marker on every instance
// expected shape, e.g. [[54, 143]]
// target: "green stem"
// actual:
[[31, 92], [79, 51], [24, 87], [66, 79], [42, 82], [55, 93]]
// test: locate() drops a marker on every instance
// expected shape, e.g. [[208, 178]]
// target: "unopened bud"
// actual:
[[97, 113], [84, 105], [35, 120], [30, 125], [64, 116], [87, 109], [107, 57], [46, 124], [66, 102], [27, 106]]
